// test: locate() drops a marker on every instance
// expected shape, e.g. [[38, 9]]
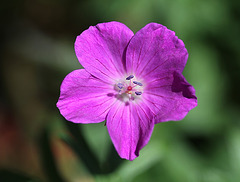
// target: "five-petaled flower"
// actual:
[[131, 81]]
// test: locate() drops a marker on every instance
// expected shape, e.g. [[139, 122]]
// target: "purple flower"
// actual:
[[131, 81]]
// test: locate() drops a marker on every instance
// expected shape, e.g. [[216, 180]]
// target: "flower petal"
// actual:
[[100, 49], [170, 97], [84, 98], [130, 127], [155, 49]]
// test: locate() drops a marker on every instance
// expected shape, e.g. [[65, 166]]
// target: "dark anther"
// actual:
[[120, 85], [138, 93], [137, 83], [130, 77]]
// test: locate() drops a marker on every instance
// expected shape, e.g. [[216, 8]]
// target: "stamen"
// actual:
[[120, 85], [138, 93], [130, 77], [137, 83]]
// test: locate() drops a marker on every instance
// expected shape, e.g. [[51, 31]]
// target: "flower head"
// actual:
[[131, 81]]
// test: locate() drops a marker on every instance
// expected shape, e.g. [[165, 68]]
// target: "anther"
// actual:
[[130, 77], [120, 85], [137, 83], [138, 93]]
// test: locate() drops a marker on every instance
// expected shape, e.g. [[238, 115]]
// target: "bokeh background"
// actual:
[[37, 52]]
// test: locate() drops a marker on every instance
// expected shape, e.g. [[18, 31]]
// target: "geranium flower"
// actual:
[[131, 81]]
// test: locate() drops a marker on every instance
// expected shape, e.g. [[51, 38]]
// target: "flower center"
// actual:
[[129, 89]]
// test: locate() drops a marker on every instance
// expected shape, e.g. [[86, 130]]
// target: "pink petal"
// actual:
[[100, 49], [155, 49], [84, 98], [130, 128], [170, 97]]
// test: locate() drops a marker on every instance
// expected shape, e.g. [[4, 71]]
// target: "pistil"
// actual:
[[129, 88]]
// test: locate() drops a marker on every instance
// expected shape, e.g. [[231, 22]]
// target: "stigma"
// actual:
[[129, 89]]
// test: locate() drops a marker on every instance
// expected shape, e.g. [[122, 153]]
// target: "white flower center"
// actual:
[[129, 89]]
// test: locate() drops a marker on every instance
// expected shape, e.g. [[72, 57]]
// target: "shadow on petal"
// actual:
[[181, 85], [110, 94]]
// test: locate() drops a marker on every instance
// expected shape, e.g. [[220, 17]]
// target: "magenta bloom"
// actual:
[[131, 81]]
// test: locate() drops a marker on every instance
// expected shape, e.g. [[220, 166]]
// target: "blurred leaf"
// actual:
[[101, 145], [78, 143], [112, 162], [99, 142], [234, 151], [47, 158], [42, 49], [149, 156], [128, 170]]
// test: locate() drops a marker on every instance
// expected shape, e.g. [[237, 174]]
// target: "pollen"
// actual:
[[128, 92]]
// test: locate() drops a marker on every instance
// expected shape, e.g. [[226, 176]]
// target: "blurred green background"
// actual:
[[37, 52]]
